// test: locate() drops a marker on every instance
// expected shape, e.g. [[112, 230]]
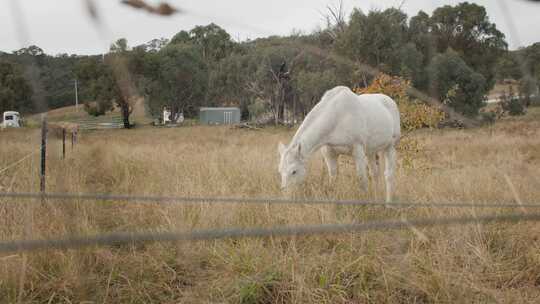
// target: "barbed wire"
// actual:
[[235, 233], [225, 200]]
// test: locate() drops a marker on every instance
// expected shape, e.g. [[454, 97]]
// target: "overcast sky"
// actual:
[[63, 26]]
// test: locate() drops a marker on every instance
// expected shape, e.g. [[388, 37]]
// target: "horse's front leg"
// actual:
[[361, 164], [330, 158]]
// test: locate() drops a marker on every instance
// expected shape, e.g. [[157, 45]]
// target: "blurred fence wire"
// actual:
[[234, 233], [272, 201], [280, 231]]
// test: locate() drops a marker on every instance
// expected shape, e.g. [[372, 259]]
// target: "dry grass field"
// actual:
[[495, 263]]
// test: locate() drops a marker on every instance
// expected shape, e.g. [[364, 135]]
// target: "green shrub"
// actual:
[[448, 72], [513, 106], [511, 103]]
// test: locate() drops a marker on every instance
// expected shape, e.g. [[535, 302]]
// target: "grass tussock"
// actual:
[[461, 264]]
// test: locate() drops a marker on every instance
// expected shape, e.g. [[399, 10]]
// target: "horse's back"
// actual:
[[373, 117], [391, 106], [347, 118]]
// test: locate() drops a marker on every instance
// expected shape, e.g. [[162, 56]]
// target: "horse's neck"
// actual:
[[310, 137]]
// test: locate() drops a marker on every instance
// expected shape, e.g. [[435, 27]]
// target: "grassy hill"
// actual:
[[71, 113]]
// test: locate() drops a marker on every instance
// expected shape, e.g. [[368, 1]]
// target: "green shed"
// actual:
[[219, 116]]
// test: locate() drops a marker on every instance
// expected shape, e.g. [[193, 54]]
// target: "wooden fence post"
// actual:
[[43, 152]]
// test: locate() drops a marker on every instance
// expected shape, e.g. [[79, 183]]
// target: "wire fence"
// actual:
[[20, 161], [282, 231], [228, 200]]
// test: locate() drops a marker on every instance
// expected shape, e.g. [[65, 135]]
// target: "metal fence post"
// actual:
[[43, 152], [63, 143]]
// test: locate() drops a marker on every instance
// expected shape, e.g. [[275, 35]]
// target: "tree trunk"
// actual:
[[174, 113], [294, 111], [125, 115], [281, 102], [281, 112]]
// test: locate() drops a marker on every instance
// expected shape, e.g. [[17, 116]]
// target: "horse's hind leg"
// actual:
[[361, 163], [389, 172], [330, 158], [374, 165]]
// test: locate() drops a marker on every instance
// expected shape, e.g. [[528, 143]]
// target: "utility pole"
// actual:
[[76, 96]]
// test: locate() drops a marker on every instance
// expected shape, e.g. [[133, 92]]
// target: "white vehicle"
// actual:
[[166, 115], [180, 118], [168, 118], [11, 119]]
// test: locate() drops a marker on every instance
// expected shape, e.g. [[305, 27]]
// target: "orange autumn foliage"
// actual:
[[413, 113]]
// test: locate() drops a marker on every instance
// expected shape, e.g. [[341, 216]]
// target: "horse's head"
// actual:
[[291, 165]]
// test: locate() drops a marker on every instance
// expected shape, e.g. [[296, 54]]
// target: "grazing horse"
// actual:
[[345, 123]]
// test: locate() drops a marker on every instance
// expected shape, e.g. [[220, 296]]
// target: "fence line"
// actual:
[[216, 234], [113, 122], [224, 200], [19, 161]]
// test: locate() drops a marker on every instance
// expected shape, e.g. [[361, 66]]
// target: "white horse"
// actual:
[[345, 123]]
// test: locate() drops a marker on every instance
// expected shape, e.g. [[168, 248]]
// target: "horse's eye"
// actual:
[[294, 172]]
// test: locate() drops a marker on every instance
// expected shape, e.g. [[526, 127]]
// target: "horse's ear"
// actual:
[[299, 150], [281, 148]]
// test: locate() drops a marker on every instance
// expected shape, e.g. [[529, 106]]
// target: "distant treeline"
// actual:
[[456, 54]]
